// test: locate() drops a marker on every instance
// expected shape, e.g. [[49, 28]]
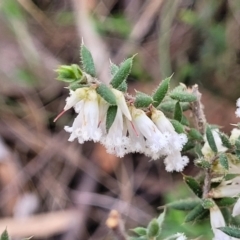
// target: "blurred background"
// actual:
[[54, 189]]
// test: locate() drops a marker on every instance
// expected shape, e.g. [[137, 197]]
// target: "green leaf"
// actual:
[[177, 126], [202, 163], [111, 114], [142, 100], [225, 140], [195, 134], [178, 112], [183, 96], [77, 71], [87, 61], [153, 229], [161, 218], [4, 235], [185, 204], [140, 231], [123, 86], [189, 145], [211, 140], [225, 202], [105, 92], [74, 86], [230, 176], [231, 231], [161, 91], [223, 160], [113, 68], [66, 74], [193, 185], [122, 73], [185, 121], [195, 213]]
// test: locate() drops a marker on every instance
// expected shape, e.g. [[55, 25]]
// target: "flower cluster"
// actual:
[[131, 131]]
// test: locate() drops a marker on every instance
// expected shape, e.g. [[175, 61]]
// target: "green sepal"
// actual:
[[184, 205], [161, 91], [179, 128], [123, 86], [68, 73], [169, 105], [87, 61], [223, 160], [210, 139], [193, 185], [153, 229], [195, 134], [195, 213], [225, 140], [111, 114], [4, 235], [142, 100], [140, 231], [185, 121], [188, 146], [75, 85], [202, 163], [105, 92], [225, 202], [113, 68], [231, 231], [207, 203], [122, 73], [178, 112], [183, 96]]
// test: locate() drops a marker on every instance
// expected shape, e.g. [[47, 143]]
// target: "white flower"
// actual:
[[155, 140], [217, 221], [206, 149], [235, 133], [236, 208], [174, 161], [181, 236], [228, 188], [238, 108], [85, 126]]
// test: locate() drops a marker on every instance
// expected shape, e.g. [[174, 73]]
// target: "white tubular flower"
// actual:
[[181, 236], [175, 141], [226, 189], [115, 140], [121, 103], [85, 126], [175, 162], [207, 151], [155, 141], [236, 208], [217, 221], [238, 108], [235, 134]]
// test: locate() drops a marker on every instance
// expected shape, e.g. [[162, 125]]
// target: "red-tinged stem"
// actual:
[[59, 115]]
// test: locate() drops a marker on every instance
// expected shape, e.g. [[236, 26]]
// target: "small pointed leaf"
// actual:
[[113, 68], [225, 140], [140, 231], [123, 86], [195, 213], [211, 140], [87, 61], [111, 114], [177, 126], [225, 202], [4, 235], [122, 73], [161, 218], [161, 91], [185, 204], [207, 203], [193, 185], [223, 160], [195, 134], [231, 231], [153, 229], [142, 100], [169, 105], [178, 112], [183, 96], [105, 92]]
